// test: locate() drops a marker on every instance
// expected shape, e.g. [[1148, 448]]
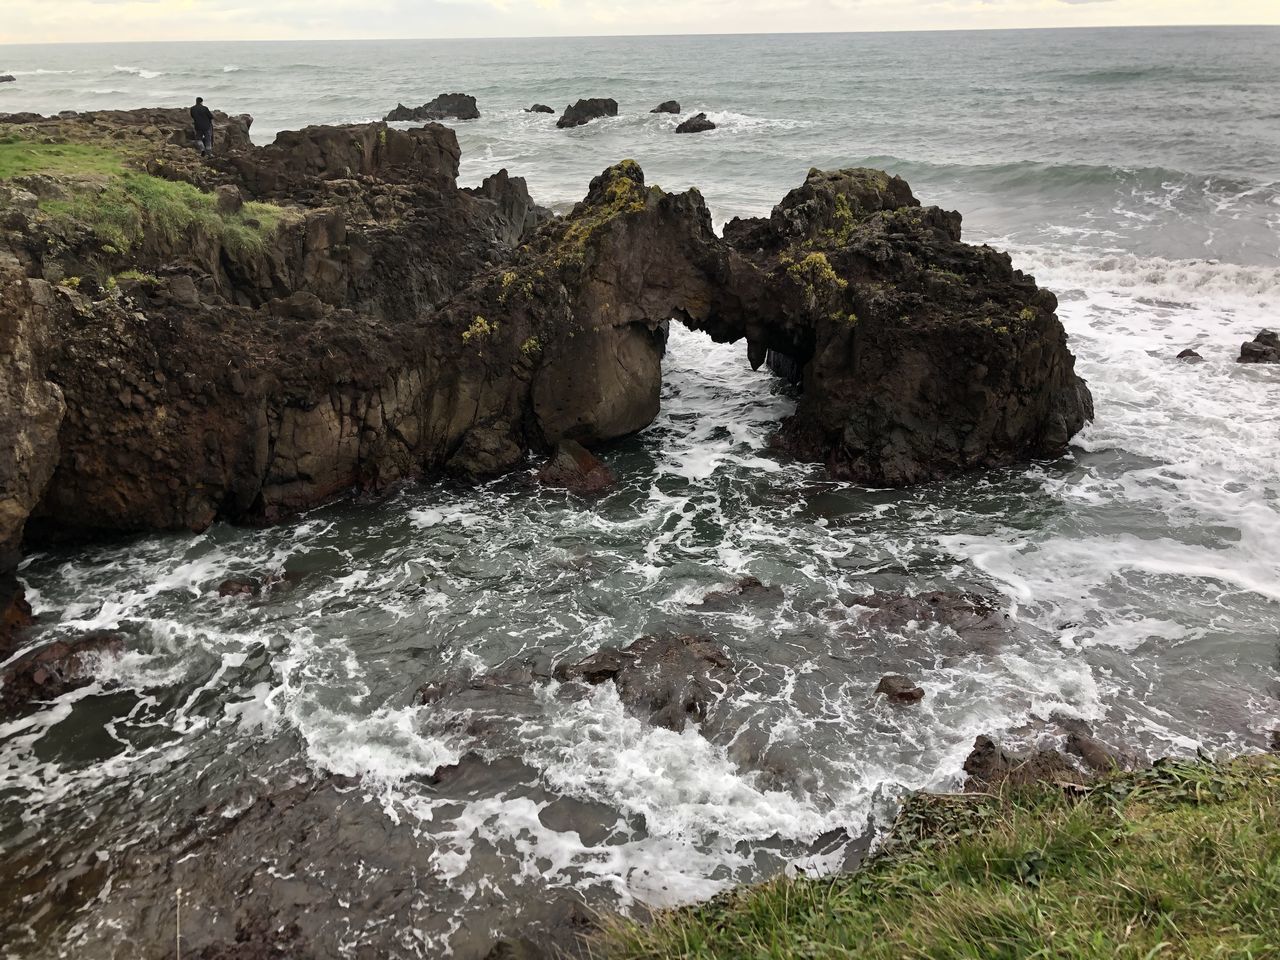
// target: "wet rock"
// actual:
[[976, 619], [1275, 740], [1095, 754], [698, 123], [458, 106], [52, 670], [539, 108], [574, 467], [667, 106], [1190, 356], [7, 78], [260, 938], [668, 680], [15, 614], [748, 589], [584, 111], [1264, 348], [990, 767], [898, 689], [240, 587]]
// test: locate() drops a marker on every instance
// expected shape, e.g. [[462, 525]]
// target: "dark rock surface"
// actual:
[[698, 123], [584, 111], [746, 590], [1264, 348], [898, 689], [539, 108], [7, 78], [574, 467], [50, 671], [976, 619], [240, 587], [1190, 356], [457, 106], [15, 615], [668, 680], [990, 767], [667, 106]]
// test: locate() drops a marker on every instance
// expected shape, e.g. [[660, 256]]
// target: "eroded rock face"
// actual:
[[922, 356], [458, 106], [1264, 348], [584, 111], [698, 123]]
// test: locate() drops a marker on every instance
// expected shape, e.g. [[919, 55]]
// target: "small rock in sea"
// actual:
[[1264, 348], [539, 108], [748, 588], [899, 689], [667, 106], [7, 78], [698, 123], [1190, 356], [459, 106], [239, 587], [51, 671], [584, 111], [574, 467]]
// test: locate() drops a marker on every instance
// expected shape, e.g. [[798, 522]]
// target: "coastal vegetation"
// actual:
[[1178, 861]]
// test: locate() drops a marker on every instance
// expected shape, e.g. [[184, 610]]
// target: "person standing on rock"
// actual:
[[203, 120]]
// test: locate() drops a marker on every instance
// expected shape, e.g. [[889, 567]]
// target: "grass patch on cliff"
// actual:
[[123, 211], [20, 158], [1182, 861]]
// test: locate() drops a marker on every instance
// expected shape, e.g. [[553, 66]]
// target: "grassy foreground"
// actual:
[[120, 205], [1179, 861]]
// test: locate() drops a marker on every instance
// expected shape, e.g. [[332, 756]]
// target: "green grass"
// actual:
[[20, 157], [1179, 861]]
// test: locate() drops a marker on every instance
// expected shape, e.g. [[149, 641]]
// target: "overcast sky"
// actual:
[[26, 21]]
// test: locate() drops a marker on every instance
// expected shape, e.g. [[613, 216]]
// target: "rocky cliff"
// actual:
[[249, 336]]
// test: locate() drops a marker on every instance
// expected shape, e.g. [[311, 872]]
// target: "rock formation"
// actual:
[[667, 106], [698, 123], [7, 78], [1190, 356], [539, 108], [574, 467], [1264, 348], [584, 111], [344, 317], [458, 106]]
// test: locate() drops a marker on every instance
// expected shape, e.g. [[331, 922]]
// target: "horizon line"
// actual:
[[653, 36]]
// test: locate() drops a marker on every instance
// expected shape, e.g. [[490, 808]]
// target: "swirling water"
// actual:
[[1132, 172]]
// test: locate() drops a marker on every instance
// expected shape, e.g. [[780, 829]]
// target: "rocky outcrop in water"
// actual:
[[457, 106], [698, 123], [898, 689], [667, 106], [347, 318], [584, 111], [1190, 356], [1264, 348], [539, 108], [574, 467], [51, 670], [7, 78]]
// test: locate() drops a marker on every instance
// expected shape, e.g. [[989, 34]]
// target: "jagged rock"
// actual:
[[698, 123], [989, 767], [576, 468], [667, 106], [539, 108], [1190, 356], [1264, 348], [899, 689], [239, 587], [584, 111], [898, 324], [50, 671], [458, 106], [516, 215], [666, 679], [748, 589]]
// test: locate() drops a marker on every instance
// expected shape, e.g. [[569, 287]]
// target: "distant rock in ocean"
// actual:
[[584, 111], [7, 78], [667, 106], [539, 108], [1264, 348], [458, 106], [696, 124]]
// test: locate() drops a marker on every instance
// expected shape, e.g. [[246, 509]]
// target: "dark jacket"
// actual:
[[201, 117]]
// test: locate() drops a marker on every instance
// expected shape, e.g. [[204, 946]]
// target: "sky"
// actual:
[[42, 21]]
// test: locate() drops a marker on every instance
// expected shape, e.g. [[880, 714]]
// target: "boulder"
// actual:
[[229, 199], [667, 106], [1190, 356], [899, 689], [668, 680], [698, 123], [584, 111], [7, 78], [539, 108], [458, 106], [574, 467], [1264, 348], [50, 671], [239, 587], [15, 614], [990, 767]]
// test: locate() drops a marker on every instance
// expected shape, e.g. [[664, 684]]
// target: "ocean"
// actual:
[[1136, 173]]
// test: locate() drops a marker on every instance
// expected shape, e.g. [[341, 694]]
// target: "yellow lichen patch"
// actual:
[[480, 329], [531, 347], [623, 194], [822, 286]]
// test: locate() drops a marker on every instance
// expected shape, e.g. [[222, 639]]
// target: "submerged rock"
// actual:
[[667, 106], [574, 467], [976, 619], [1190, 356], [239, 587], [990, 767], [52, 670], [698, 123], [584, 111], [539, 108], [668, 680], [899, 689], [7, 78], [748, 589], [1264, 348], [458, 106]]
